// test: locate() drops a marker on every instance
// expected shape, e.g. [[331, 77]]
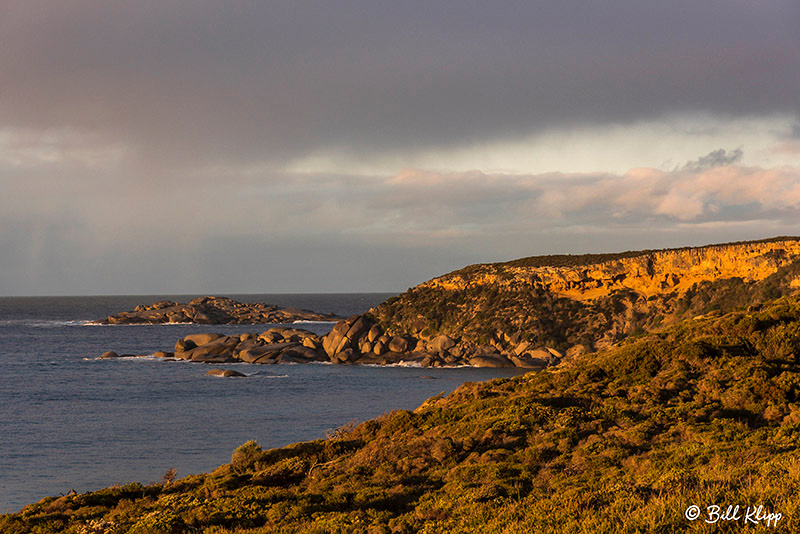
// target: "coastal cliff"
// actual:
[[648, 273], [576, 304], [532, 312]]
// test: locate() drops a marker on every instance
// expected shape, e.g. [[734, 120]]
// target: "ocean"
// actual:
[[69, 421]]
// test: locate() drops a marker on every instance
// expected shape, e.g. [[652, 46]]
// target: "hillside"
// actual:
[[576, 304], [704, 412]]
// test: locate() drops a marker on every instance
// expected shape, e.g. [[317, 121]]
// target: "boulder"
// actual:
[[299, 354], [359, 327], [272, 335], [162, 354], [214, 352], [543, 355], [263, 352], [371, 359], [420, 358], [364, 346], [202, 339], [345, 356], [182, 345], [442, 343], [109, 354], [225, 373], [336, 340], [374, 333], [490, 360], [311, 343], [247, 344], [522, 347], [525, 361], [177, 317], [398, 344]]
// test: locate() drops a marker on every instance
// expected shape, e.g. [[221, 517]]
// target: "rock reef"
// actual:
[[215, 310], [355, 340]]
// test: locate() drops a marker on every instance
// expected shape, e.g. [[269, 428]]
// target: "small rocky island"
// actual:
[[215, 310]]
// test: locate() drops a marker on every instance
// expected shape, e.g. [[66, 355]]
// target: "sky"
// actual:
[[222, 147]]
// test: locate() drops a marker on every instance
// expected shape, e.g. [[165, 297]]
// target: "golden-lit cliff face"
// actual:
[[650, 274]]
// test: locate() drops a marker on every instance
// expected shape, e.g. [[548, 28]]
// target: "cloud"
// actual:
[[712, 188], [141, 141], [715, 158], [198, 83]]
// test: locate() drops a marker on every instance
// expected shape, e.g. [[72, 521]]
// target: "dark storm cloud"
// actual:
[[715, 158], [185, 82]]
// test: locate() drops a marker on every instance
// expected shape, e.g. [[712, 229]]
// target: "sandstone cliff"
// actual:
[[649, 273], [573, 304]]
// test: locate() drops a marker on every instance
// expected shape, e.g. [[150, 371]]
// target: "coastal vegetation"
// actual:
[[704, 412]]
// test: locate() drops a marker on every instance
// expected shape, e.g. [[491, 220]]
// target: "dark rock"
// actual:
[[374, 333], [398, 344], [225, 373], [442, 343], [490, 360], [345, 356], [527, 362], [299, 354], [202, 339], [371, 359], [214, 352], [183, 346], [262, 352]]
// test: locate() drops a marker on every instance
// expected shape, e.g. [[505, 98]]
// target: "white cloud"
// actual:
[[663, 143]]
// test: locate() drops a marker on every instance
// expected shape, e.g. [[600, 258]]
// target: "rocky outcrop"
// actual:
[[276, 345], [355, 340], [584, 303], [215, 310]]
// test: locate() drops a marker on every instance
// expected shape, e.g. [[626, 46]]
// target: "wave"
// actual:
[[98, 323], [41, 323], [306, 321]]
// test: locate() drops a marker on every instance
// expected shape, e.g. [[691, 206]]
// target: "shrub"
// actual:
[[245, 455]]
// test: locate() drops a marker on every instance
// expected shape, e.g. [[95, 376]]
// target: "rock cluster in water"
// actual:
[[355, 340], [215, 310]]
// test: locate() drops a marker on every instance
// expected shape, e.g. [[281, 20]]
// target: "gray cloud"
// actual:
[[187, 82], [144, 145], [715, 158]]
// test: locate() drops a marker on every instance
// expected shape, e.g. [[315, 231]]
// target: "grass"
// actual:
[[704, 412]]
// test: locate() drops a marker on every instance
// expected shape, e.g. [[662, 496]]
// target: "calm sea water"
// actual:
[[70, 421]]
